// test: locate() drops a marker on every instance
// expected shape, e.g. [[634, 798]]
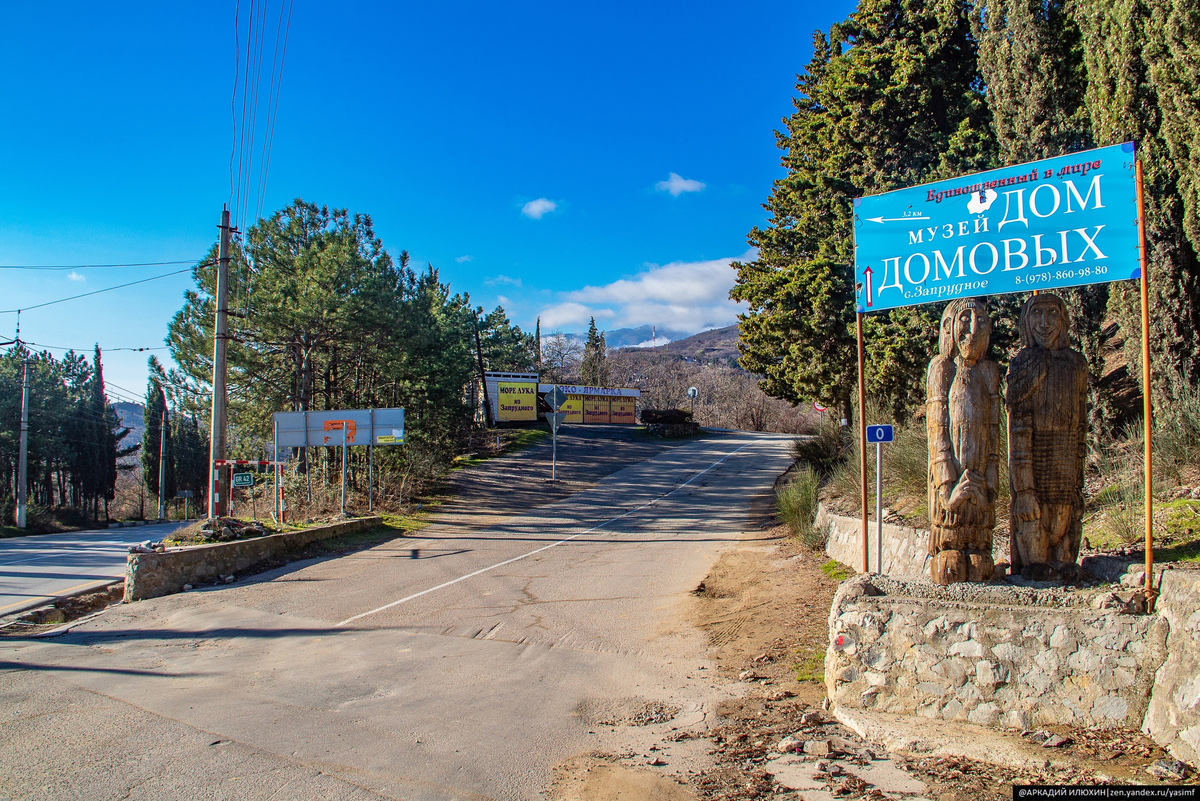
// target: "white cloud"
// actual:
[[571, 315], [676, 184], [503, 301], [536, 209], [503, 279], [462, 259], [74, 276], [685, 296]]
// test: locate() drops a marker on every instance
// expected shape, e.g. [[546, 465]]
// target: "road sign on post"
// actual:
[[879, 435], [556, 398], [243, 479]]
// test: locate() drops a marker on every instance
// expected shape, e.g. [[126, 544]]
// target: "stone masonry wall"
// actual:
[[1173, 718], [905, 550], [150, 575], [1015, 666]]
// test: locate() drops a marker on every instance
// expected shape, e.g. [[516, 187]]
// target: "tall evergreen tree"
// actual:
[[1031, 61], [1141, 58], [891, 98], [157, 438], [593, 370]]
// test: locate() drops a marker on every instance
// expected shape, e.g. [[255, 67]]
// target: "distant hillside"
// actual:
[[717, 345], [131, 416], [640, 336]]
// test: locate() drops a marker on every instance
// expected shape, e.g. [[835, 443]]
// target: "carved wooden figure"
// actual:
[[1047, 429], [963, 418]]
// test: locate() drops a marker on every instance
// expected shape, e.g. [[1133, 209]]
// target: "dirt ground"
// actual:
[[764, 609]]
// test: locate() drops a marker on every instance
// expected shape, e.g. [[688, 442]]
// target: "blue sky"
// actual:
[[559, 159]]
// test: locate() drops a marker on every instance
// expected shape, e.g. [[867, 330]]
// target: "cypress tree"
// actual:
[[593, 369], [156, 438], [891, 98], [1139, 55]]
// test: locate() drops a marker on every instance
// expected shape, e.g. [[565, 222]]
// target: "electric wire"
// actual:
[[81, 350], [97, 292], [237, 68], [57, 267], [273, 113]]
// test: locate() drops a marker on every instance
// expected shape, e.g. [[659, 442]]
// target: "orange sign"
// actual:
[[621, 411], [349, 427], [595, 409]]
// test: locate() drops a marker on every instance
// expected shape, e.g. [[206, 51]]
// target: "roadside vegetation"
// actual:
[[1113, 493]]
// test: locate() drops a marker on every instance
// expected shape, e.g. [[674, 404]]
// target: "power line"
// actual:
[[273, 113], [80, 350], [98, 291], [90, 266]]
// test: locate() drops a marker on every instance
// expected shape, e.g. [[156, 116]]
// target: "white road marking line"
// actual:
[[544, 547]]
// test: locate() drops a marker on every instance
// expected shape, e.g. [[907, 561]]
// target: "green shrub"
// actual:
[[796, 502], [824, 450], [1177, 427]]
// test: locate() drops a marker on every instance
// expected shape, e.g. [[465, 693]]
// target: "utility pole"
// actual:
[[162, 464], [23, 458], [218, 489]]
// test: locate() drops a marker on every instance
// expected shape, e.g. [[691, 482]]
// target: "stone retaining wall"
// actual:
[[905, 550], [922, 652], [149, 575], [1173, 718], [1016, 666]]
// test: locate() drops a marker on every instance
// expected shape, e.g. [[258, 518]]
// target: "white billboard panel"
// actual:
[[333, 428]]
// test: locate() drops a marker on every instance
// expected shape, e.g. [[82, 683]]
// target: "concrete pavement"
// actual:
[[460, 664], [39, 568]]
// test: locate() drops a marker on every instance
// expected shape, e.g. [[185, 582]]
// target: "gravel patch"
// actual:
[[1007, 591]]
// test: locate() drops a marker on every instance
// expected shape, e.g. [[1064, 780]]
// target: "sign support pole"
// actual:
[[1147, 420], [275, 458], [343, 471], [371, 466], [879, 507], [862, 440]]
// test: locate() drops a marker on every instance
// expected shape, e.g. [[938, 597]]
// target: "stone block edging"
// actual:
[[150, 575], [905, 550]]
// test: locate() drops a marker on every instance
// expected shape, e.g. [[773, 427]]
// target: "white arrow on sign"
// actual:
[[882, 220]]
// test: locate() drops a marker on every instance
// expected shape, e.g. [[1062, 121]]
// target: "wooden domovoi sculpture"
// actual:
[[963, 419], [1047, 428]]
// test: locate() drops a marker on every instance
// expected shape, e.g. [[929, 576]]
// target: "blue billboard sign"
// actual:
[[1060, 222]]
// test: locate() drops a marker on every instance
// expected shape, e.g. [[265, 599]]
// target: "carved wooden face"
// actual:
[[972, 329], [1046, 323]]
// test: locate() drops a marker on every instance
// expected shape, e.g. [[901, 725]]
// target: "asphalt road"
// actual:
[[460, 664], [37, 569]]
